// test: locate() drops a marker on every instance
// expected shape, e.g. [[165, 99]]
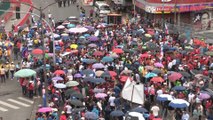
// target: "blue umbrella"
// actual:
[[88, 72], [77, 75], [65, 37], [139, 109], [107, 59], [93, 38], [165, 97], [86, 35], [57, 78], [98, 80], [98, 66], [57, 47], [116, 113], [179, 103], [88, 61], [70, 25], [91, 116], [87, 79], [150, 74], [178, 88]]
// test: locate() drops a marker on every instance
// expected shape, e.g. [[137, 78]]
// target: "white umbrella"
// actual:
[[64, 34], [165, 97], [55, 35], [60, 27], [60, 85], [78, 30], [132, 115]]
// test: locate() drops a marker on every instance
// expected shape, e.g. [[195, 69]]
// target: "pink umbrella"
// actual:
[[174, 76], [160, 65], [45, 109], [100, 95], [204, 96]]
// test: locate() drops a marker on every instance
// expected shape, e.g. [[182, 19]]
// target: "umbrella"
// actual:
[[105, 75], [77, 75], [98, 80], [70, 25], [93, 38], [114, 55], [116, 113], [60, 27], [100, 95], [194, 72], [76, 110], [185, 74], [134, 116], [126, 72], [57, 78], [76, 102], [204, 96], [157, 79], [69, 92], [99, 73], [145, 55], [92, 45], [179, 103], [60, 85], [37, 52], [55, 35], [25, 73], [107, 59], [73, 46], [210, 53], [98, 66], [148, 35], [72, 83], [45, 109], [165, 97], [78, 30], [102, 25], [91, 116], [98, 53], [179, 88], [77, 95], [160, 65], [112, 73], [88, 61], [118, 51], [59, 72], [174, 76], [150, 74], [157, 71], [88, 72], [139, 109], [149, 68], [87, 79], [90, 28]]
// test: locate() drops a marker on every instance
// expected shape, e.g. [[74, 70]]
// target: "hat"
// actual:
[[62, 112], [54, 109]]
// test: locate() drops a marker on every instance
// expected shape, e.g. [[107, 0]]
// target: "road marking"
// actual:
[[26, 100], [17, 102], [3, 109], [9, 105]]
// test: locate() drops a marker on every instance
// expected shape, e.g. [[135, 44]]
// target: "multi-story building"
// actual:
[[198, 13]]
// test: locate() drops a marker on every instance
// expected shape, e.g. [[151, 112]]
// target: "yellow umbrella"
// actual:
[[148, 35], [73, 46]]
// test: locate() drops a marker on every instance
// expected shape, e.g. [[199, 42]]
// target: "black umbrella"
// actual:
[[78, 109], [185, 74], [77, 95], [139, 109], [69, 92], [194, 72], [116, 113], [76, 102]]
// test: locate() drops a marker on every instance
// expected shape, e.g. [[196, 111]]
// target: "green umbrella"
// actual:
[[25, 73], [210, 53], [72, 83]]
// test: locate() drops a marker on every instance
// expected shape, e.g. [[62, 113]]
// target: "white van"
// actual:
[[102, 8]]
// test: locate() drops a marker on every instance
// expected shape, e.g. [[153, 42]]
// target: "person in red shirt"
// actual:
[[63, 116], [30, 89]]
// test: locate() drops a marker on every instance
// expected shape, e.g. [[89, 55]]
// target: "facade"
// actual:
[[196, 13]]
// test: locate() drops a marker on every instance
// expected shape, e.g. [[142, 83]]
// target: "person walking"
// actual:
[[12, 69], [7, 68], [2, 72], [30, 89]]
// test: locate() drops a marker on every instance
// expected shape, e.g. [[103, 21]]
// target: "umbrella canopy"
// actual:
[[77, 75], [179, 103], [179, 88], [88, 72], [98, 80], [76, 102], [99, 73], [37, 52], [112, 73], [60, 85], [93, 38], [70, 25], [107, 59], [150, 74], [45, 109], [59, 72], [174, 76], [116, 113], [69, 92], [126, 71], [73, 46], [88, 79], [98, 66], [139, 109], [118, 51], [77, 95], [165, 97], [57, 78], [157, 79], [25, 73], [72, 83], [78, 30], [204, 96], [60, 27], [100, 95], [88, 61], [210, 53], [160, 65], [98, 53], [92, 45], [134, 116], [91, 116], [185, 74]]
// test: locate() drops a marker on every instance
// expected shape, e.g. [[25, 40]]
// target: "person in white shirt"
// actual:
[[155, 109], [185, 116], [191, 100], [112, 101]]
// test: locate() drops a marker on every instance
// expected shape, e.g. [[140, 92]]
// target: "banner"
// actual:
[[133, 92]]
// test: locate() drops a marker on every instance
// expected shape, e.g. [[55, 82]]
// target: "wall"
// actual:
[[180, 1]]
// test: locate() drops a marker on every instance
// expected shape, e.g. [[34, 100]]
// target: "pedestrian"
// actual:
[[7, 68], [2, 72], [31, 89], [91, 12], [12, 69], [185, 116], [68, 2], [64, 3]]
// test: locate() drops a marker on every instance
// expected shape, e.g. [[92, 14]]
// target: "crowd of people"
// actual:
[[93, 61]]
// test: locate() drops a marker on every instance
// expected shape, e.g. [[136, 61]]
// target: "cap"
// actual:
[[62, 112]]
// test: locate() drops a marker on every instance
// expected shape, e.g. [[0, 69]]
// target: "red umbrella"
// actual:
[[118, 51], [157, 79], [174, 76], [124, 78], [112, 73], [98, 53], [145, 55], [37, 52], [59, 72]]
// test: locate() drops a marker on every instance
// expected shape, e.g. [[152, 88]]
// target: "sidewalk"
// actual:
[[13, 20]]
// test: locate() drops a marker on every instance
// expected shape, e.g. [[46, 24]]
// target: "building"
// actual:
[[197, 13]]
